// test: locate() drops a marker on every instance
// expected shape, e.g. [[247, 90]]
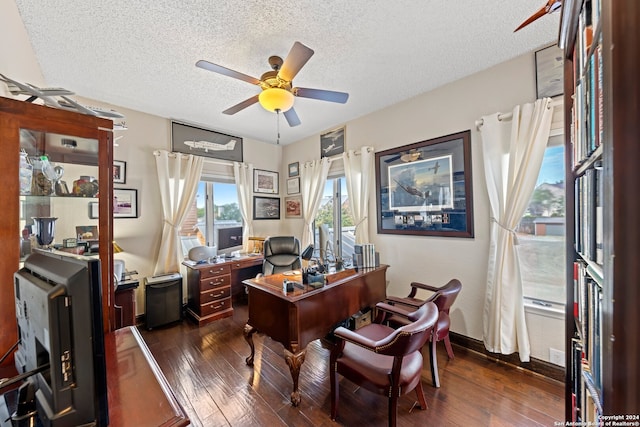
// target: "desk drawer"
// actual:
[[246, 263], [215, 307], [214, 270], [214, 282], [215, 294]]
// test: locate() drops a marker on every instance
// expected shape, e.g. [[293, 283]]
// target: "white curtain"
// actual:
[[513, 152], [243, 173], [178, 177], [358, 168], [313, 176]]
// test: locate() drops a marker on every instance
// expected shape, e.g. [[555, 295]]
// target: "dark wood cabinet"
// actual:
[[20, 120], [602, 110], [209, 292], [213, 287]]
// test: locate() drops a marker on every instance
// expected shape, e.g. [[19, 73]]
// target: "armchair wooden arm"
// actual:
[[417, 285]]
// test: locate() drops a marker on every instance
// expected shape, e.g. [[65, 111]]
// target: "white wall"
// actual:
[[434, 260]]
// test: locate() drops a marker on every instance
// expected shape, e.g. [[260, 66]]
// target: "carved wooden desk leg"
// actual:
[[248, 336], [295, 361]]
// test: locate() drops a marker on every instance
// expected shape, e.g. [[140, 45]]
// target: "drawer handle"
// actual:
[[217, 306], [216, 295]]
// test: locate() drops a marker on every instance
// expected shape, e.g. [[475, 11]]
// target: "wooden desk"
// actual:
[[296, 318], [211, 287], [138, 393]]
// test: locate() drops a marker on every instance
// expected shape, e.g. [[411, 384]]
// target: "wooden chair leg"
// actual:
[[393, 410], [447, 344], [333, 379], [420, 395], [435, 379]]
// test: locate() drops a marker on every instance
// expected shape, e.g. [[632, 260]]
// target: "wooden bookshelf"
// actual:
[[602, 124]]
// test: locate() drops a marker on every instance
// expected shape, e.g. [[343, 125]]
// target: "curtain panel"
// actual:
[[178, 177], [512, 155], [243, 174], [313, 176], [358, 168]]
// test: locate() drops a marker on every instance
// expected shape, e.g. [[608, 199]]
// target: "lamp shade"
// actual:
[[116, 248], [307, 253], [273, 99]]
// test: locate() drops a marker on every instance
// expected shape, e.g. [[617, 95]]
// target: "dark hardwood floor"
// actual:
[[206, 368]]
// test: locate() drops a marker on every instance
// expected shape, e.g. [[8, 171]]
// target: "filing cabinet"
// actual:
[[209, 292]]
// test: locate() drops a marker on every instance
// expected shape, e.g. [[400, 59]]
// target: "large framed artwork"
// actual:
[[425, 188], [266, 207], [190, 139]]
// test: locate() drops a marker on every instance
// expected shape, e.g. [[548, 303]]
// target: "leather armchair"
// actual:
[[281, 253], [443, 298], [382, 359]]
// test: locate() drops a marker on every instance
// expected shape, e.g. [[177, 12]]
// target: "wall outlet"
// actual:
[[556, 356]]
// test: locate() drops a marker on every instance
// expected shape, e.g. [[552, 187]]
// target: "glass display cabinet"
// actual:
[[55, 165]]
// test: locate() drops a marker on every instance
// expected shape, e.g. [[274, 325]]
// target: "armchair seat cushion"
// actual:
[[372, 371]]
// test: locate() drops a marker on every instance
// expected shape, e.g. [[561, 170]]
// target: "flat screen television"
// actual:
[[59, 315]]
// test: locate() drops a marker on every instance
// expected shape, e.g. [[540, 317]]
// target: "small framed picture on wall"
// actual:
[[119, 172]]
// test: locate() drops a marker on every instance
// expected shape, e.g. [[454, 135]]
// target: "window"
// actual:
[[214, 218], [334, 225], [541, 234]]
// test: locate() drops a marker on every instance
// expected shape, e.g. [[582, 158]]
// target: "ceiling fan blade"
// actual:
[[241, 106], [323, 95], [295, 60], [539, 14], [292, 117], [206, 65]]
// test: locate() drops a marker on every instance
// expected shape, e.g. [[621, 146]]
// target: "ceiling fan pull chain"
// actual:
[[278, 125]]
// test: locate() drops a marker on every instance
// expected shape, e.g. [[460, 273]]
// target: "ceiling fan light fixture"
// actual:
[[274, 98]]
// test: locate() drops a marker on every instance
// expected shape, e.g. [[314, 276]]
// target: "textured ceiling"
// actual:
[[141, 54]]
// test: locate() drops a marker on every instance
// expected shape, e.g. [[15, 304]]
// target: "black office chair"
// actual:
[[281, 253]]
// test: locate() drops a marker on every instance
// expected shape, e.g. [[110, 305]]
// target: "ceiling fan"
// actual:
[[278, 92], [550, 7]]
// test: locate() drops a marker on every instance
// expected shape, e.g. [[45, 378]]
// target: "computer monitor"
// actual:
[[229, 240], [59, 315]]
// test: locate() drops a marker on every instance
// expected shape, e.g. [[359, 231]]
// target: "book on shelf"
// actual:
[[599, 213]]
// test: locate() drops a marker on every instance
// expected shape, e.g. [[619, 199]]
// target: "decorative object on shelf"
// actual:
[[45, 230], [125, 203], [266, 207], [61, 188], [265, 181], [52, 172], [293, 207], [40, 185], [119, 172], [332, 142], [85, 186], [190, 139], [294, 169], [549, 72], [293, 185], [26, 174], [425, 188]]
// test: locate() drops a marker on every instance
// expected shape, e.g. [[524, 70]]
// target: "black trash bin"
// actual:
[[163, 299]]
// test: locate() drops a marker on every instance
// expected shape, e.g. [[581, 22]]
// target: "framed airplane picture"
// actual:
[[332, 143], [190, 139]]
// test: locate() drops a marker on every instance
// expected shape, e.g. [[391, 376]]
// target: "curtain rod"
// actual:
[[509, 116], [206, 159]]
